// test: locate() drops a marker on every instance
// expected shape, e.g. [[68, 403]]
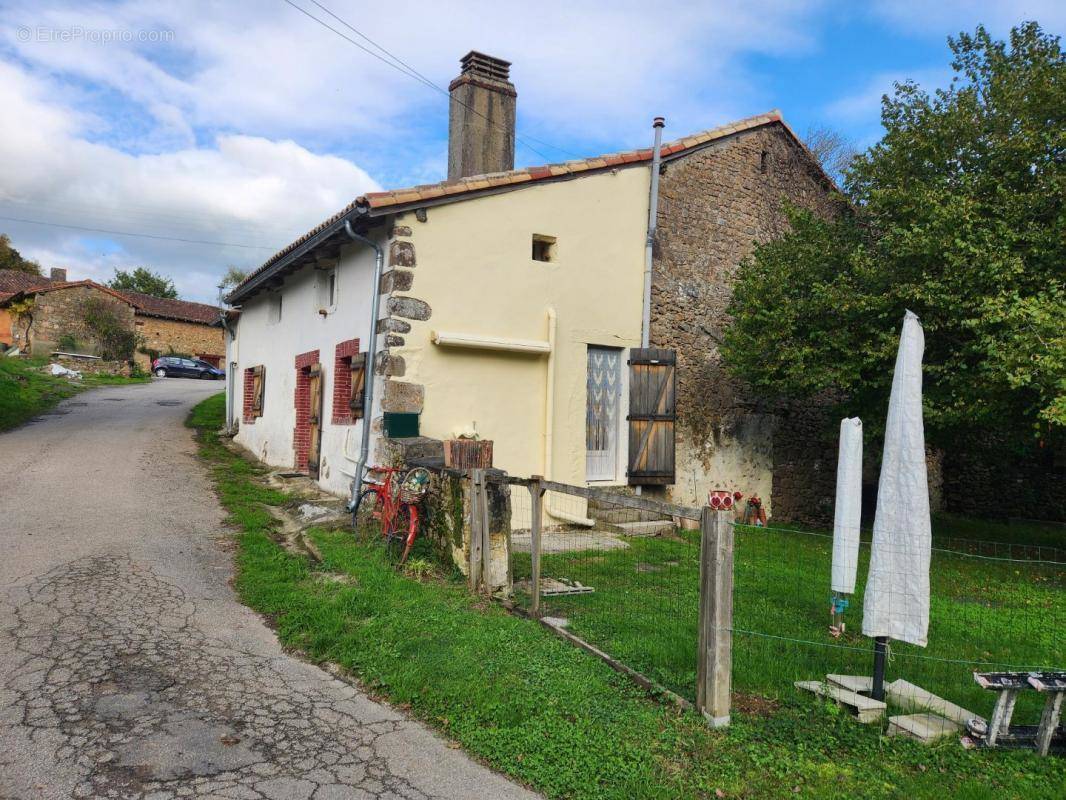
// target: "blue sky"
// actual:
[[243, 124]]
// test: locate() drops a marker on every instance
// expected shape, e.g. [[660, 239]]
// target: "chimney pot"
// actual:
[[481, 119], [58, 274]]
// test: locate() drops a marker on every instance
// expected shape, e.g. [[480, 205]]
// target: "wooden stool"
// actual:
[[1008, 684], [1054, 684]]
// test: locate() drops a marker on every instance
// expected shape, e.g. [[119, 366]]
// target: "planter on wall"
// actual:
[[468, 453]]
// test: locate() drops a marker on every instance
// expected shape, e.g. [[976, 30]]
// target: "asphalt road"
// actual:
[[128, 669]]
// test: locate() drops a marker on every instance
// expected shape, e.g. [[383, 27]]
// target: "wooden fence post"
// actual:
[[536, 499], [714, 670], [476, 479]]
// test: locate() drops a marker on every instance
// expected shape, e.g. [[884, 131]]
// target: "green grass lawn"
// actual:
[[26, 391], [645, 605], [544, 712]]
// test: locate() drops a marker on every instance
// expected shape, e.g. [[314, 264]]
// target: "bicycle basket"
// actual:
[[415, 485]]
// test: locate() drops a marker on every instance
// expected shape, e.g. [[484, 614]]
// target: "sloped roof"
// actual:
[[52, 286], [182, 310], [15, 280], [374, 203]]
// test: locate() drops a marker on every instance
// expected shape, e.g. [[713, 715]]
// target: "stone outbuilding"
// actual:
[[51, 318], [38, 314], [176, 326]]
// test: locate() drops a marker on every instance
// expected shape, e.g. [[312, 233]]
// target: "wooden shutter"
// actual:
[[358, 385], [652, 413], [258, 380]]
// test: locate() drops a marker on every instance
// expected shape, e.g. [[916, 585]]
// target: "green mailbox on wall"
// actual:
[[400, 426]]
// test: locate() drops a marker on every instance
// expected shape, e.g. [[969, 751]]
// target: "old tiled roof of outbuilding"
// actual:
[[51, 286], [182, 310], [15, 280], [373, 203]]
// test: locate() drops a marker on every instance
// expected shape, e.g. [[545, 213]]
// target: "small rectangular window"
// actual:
[[543, 247], [325, 290], [275, 309], [358, 396]]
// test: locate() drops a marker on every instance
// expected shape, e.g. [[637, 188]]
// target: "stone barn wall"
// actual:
[[59, 312], [714, 206], [177, 336]]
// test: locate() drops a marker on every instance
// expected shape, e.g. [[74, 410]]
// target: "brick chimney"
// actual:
[[481, 120], [58, 275]]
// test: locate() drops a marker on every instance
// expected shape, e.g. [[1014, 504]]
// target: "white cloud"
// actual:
[[948, 17], [240, 189], [865, 104], [219, 132]]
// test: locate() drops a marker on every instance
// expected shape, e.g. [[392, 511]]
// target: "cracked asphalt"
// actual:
[[128, 669]]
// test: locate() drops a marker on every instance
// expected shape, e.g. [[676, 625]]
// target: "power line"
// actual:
[[137, 235], [404, 68], [436, 87]]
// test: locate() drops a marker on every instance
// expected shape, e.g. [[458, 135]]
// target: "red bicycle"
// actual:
[[394, 504]]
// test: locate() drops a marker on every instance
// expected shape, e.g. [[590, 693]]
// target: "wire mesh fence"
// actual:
[[992, 608], [624, 579], [627, 580]]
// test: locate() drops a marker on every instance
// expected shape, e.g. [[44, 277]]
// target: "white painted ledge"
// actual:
[[474, 342]]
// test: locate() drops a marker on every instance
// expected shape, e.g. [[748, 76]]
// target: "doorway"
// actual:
[[603, 413]]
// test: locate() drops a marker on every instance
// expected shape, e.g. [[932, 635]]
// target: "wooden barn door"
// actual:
[[315, 453], [652, 413]]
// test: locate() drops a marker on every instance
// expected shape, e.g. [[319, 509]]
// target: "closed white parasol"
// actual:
[[848, 511], [896, 604]]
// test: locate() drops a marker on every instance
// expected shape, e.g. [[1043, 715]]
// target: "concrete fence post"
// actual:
[[477, 536], [536, 499], [714, 668], [486, 534]]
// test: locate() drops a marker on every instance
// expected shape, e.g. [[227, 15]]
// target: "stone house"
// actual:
[[162, 325], [51, 317], [511, 304]]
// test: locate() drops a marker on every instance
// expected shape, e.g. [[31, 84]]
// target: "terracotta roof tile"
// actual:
[[15, 280], [183, 310], [52, 286], [380, 201]]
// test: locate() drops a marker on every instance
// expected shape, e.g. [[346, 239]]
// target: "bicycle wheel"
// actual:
[[396, 535], [366, 512]]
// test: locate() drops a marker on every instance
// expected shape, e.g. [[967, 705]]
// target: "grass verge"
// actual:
[[26, 391], [545, 713]]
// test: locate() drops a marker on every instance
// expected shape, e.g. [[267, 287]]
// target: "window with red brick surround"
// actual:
[[342, 382], [301, 435], [254, 389]]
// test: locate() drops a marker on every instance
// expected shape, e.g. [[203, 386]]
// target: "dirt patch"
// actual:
[[754, 705]]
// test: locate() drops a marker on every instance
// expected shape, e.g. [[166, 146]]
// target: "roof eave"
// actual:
[[258, 282]]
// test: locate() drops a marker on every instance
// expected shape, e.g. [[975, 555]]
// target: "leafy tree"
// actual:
[[957, 214], [10, 258], [145, 281], [233, 276]]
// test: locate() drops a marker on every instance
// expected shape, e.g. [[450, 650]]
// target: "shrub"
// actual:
[[117, 341]]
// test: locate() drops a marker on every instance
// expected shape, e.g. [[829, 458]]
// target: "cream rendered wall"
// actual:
[[276, 346], [475, 269]]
